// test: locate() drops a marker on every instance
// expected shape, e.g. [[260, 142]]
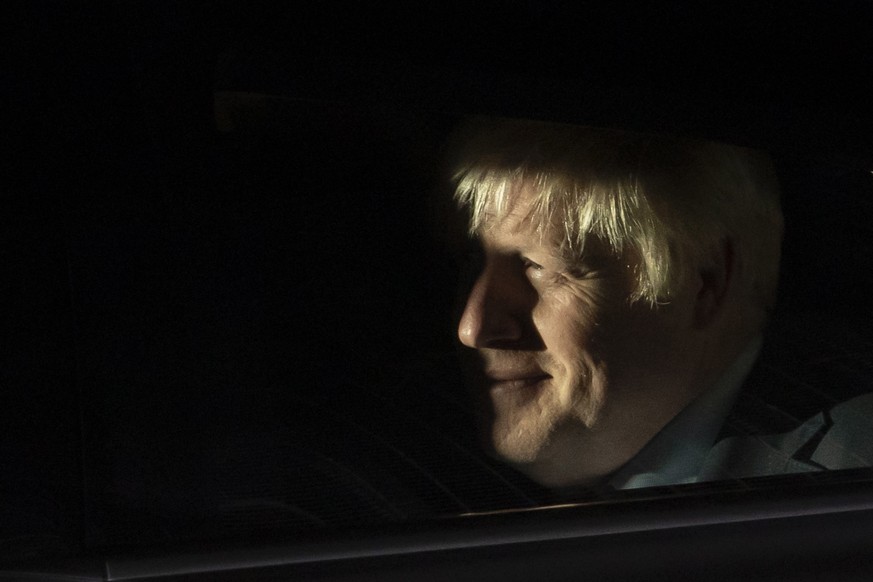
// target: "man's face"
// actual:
[[570, 377]]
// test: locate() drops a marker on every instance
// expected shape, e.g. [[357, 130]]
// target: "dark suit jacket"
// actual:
[[806, 406], [841, 438]]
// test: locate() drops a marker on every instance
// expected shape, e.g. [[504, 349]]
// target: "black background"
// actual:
[[172, 294]]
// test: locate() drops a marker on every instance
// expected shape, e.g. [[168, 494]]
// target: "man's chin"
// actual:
[[514, 449], [535, 462], [542, 453]]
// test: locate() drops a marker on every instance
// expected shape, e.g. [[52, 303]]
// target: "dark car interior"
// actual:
[[229, 342]]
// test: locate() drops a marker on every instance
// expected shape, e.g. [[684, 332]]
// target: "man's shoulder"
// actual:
[[810, 362], [807, 405], [839, 438], [848, 443]]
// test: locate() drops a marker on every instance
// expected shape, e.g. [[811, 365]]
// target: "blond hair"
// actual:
[[667, 200]]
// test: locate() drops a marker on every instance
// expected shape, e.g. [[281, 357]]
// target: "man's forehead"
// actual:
[[516, 211], [523, 231], [522, 227], [518, 221]]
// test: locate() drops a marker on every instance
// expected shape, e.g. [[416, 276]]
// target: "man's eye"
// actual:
[[529, 264]]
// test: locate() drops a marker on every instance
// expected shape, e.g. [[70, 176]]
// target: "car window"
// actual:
[[328, 392], [238, 305]]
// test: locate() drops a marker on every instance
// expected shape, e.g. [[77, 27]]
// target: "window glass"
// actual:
[[271, 289], [298, 361]]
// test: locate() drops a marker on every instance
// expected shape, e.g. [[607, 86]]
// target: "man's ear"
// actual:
[[714, 280]]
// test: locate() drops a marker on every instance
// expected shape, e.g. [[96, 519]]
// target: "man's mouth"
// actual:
[[512, 382]]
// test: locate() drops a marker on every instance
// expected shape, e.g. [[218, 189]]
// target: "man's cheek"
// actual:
[[589, 392]]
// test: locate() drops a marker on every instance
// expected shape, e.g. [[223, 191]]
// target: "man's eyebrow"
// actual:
[[573, 256], [564, 256], [566, 253]]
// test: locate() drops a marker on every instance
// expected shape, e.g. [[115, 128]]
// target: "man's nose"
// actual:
[[493, 314]]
